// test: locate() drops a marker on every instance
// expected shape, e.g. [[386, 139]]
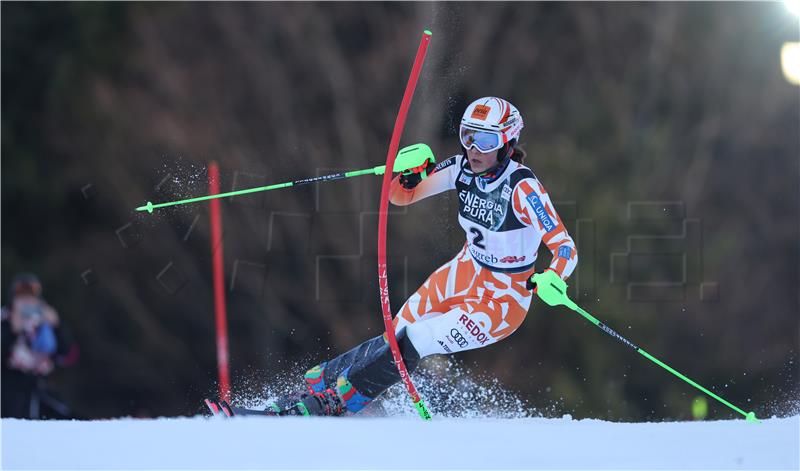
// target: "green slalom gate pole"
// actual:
[[407, 158], [552, 290]]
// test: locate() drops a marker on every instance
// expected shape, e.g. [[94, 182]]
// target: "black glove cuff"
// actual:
[[529, 285]]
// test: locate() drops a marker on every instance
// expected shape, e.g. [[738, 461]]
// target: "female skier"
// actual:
[[476, 299]]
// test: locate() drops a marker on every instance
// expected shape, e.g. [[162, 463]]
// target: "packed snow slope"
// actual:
[[380, 442]]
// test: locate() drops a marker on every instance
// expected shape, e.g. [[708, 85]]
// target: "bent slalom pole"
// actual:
[[553, 291], [408, 158], [383, 280]]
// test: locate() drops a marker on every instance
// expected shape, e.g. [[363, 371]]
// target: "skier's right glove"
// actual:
[[411, 177]]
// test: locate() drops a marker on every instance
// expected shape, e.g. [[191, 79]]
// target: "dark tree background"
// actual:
[[665, 133]]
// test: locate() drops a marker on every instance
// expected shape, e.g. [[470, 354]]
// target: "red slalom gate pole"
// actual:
[[383, 280], [219, 284]]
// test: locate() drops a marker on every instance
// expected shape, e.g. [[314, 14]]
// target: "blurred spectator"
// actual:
[[34, 342]]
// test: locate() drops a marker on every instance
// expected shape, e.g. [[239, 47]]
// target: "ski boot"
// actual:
[[325, 403]]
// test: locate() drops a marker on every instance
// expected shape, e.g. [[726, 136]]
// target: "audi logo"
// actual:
[[460, 340]]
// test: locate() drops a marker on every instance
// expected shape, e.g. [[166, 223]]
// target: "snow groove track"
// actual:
[[356, 443]]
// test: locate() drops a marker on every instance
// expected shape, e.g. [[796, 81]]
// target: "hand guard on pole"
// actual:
[[548, 285]]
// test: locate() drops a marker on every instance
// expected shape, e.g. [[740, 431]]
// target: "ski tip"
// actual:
[[226, 408], [213, 406], [219, 408], [428, 32]]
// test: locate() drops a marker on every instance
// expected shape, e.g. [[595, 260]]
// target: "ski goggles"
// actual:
[[484, 141]]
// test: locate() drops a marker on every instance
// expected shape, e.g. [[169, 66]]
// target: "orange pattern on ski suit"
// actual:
[[496, 303]]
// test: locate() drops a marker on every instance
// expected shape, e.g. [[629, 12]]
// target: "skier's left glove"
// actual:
[[549, 276], [411, 177]]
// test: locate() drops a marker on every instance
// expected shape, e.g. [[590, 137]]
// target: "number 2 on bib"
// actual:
[[478, 240]]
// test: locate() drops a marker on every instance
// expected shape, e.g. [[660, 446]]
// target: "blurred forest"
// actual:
[[664, 132]]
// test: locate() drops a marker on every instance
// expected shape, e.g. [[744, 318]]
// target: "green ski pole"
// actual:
[[407, 158], [553, 291]]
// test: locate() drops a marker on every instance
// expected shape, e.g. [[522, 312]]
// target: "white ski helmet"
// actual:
[[493, 116]]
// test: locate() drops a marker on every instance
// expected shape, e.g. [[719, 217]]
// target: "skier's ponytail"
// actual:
[[518, 155]]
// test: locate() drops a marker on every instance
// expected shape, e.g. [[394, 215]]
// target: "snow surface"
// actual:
[[399, 442]]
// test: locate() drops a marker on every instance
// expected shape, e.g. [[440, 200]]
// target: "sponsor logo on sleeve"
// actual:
[[444, 164], [564, 251], [541, 212]]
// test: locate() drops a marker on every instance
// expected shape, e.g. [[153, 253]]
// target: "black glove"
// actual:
[[411, 177], [530, 285]]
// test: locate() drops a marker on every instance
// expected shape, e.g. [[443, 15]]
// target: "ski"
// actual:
[[234, 411], [326, 403], [220, 408]]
